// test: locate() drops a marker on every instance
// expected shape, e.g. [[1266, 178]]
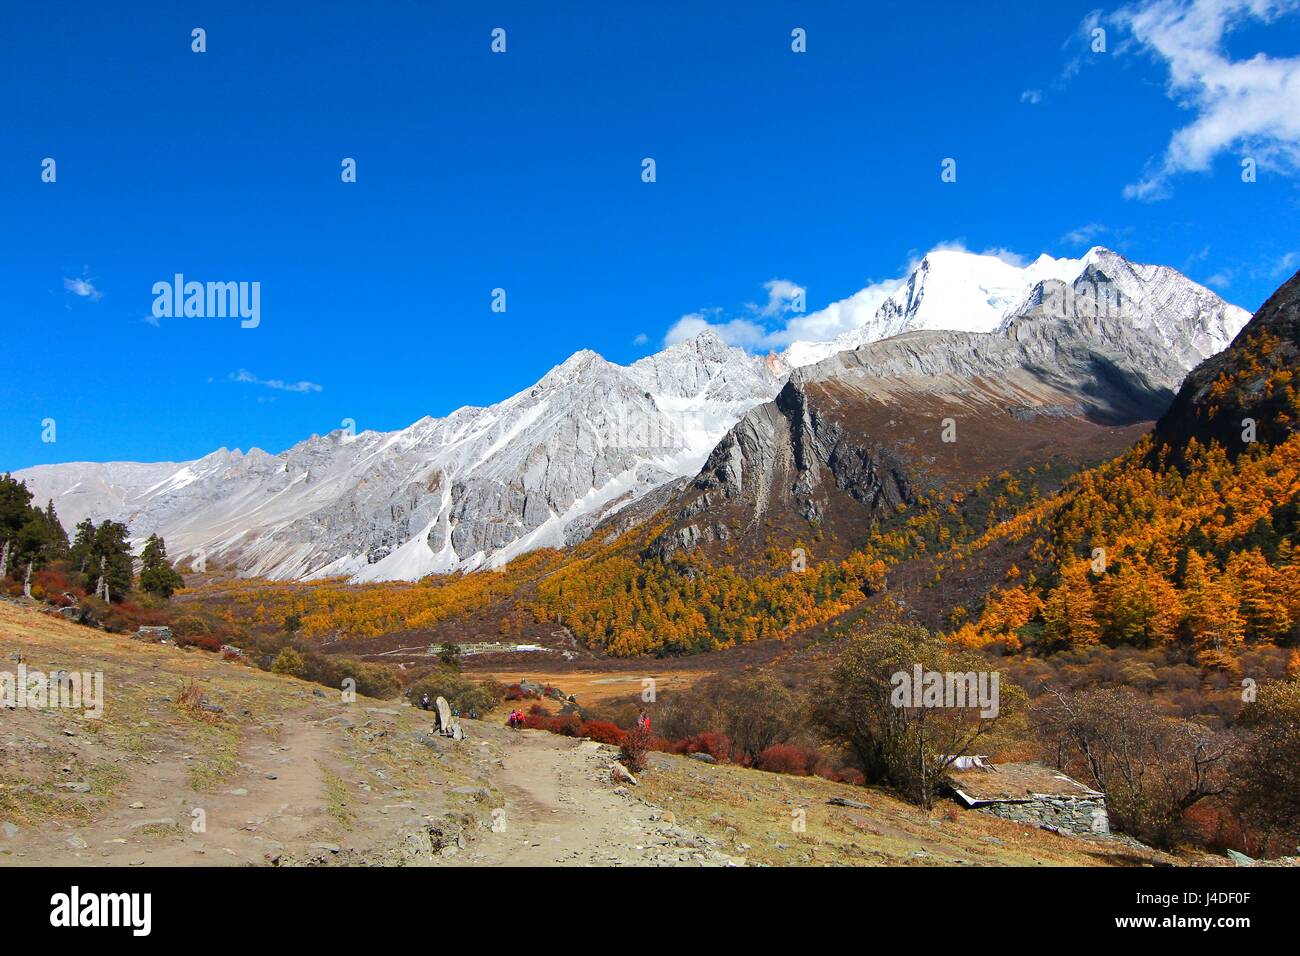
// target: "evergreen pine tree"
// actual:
[[157, 576]]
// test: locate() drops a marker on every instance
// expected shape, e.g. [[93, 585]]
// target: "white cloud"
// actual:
[[641, 339], [819, 326], [1084, 235], [775, 327], [1248, 105], [1271, 269], [1032, 97], [749, 330], [1081, 40], [247, 377], [780, 294], [84, 288], [1285, 265], [742, 332]]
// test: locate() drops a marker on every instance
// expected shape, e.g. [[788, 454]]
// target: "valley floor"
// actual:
[[282, 772]]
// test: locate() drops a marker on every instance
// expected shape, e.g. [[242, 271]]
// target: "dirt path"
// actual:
[[562, 808], [275, 797], [199, 760]]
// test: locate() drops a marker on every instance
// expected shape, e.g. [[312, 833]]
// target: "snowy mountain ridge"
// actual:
[[957, 291], [543, 467], [472, 489]]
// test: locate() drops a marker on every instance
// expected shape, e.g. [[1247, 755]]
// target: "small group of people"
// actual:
[[516, 719]]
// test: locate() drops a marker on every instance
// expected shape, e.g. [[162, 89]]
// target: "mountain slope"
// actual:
[[472, 489], [866, 431], [1251, 381], [1187, 542]]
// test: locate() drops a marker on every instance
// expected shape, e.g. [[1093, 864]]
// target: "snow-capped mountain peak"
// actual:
[[960, 291]]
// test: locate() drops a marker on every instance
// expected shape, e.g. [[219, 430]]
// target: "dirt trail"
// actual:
[[274, 798], [561, 808]]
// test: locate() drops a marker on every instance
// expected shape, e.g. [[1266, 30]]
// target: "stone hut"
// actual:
[[1032, 793]]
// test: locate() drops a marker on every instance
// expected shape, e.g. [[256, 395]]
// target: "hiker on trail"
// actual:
[[424, 701], [643, 722]]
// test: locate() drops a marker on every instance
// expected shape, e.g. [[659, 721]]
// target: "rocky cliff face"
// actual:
[[1242, 391], [858, 434]]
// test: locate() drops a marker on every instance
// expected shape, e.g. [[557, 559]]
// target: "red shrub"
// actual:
[[514, 692], [604, 732], [635, 744], [49, 585], [788, 758], [129, 616], [716, 745], [568, 725], [845, 775]]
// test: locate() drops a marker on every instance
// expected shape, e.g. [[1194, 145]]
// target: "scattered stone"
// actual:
[[1240, 858], [137, 805], [704, 758], [10, 830], [155, 635], [238, 792], [327, 847], [846, 802], [620, 774], [74, 787], [76, 842]]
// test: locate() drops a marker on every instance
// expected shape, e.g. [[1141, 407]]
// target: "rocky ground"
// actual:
[[260, 769]]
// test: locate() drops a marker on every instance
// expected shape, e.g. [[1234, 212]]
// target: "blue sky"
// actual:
[[522, 171]]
